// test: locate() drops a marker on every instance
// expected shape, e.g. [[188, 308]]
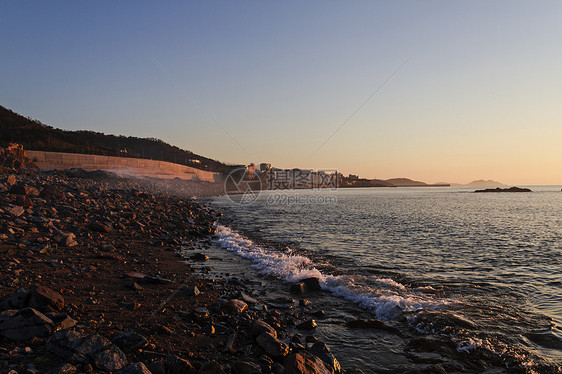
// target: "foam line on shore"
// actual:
[[383, 297]]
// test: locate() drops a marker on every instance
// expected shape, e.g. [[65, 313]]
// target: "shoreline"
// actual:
[[107, 258]]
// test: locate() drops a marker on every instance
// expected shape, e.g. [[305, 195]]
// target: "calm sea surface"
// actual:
[[479, 276]]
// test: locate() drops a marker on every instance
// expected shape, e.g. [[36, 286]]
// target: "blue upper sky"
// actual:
[[432, 90]]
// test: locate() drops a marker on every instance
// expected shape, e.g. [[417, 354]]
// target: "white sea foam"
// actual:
[[383, 297]]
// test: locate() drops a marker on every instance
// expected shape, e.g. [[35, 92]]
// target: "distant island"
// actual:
[[480, 183], [511, 189], [355, 181]]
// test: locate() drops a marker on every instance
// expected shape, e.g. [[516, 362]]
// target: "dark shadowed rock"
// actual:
[[311, 285], [199, 257], [246, 367], [137, 368], [191, 291], [307, 325], [99, 227], [45, 299], [305, 363], [177, 365], [61, 321], [25, 324], [52, 191], [157, 367], [235, 306], [212, 367], [63, 369], [92, 349], [17, 300], [129, 340], [322, 351], [272, 346], [230, 344]]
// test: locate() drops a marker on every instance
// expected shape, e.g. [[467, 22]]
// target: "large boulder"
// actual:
[[259, 327], [178, 365], [25, 324], [322, 351]]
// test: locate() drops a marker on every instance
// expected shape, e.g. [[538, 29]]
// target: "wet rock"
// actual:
[[177, 365], [272, 346], [311, 285], [259, 327], [92, 349], [63, 369], [305, 363], [235, 306], [246, 367], [129, 340], [247, 298], [45, 299], [307, 325], [25, 324], [366, 324], [137, 368], [297, 288], [199, 257], [322, 351], [211, 368]]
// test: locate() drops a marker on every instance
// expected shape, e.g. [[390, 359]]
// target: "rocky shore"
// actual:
[[96, 277]]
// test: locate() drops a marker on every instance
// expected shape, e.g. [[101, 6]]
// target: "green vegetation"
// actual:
[[34, 135]]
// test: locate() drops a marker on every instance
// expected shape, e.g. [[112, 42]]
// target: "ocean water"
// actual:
[[465, 282]]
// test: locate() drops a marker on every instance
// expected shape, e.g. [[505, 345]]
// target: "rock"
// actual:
[[129, 340], [247, 298], [177, 365], [11, 180], [68, 240], [259, 327], [297, 288], [137, 368], [235, 306], [510, 189], [61, 321], [17, 300], [99, 227], [92, 349], [15, 211], [322, 351], [230, 345], [312, 285], [211, 368], [272, 346], [157, 367], [191, 291], [199, 257], [246, 367], [305, 363], [52, 191], [307, 325], [25, 324], [63, 369], [24, 201], [45, 299]]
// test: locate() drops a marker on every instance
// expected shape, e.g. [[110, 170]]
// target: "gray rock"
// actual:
[[25, 324], [307, 325], [92, 349], [272, 346], [246, 367], [230, 345]]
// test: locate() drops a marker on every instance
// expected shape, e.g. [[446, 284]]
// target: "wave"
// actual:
[[385, 298]]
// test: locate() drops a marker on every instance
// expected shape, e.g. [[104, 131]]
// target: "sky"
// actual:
[[438, 91]]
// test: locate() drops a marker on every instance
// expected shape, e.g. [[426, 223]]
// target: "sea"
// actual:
[[442, 278]]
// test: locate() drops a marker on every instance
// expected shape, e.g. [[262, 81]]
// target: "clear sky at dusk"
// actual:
[[459, 90]]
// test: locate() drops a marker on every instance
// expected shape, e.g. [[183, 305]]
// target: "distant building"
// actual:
[[193, 161], [353, 177], [264, 167], [250, 170]]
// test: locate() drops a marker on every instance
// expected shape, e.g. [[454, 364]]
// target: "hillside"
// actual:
[[484, 183], [405, 182], [35, 135]]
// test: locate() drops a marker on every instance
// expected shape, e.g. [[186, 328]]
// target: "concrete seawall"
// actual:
[[120, 165]]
